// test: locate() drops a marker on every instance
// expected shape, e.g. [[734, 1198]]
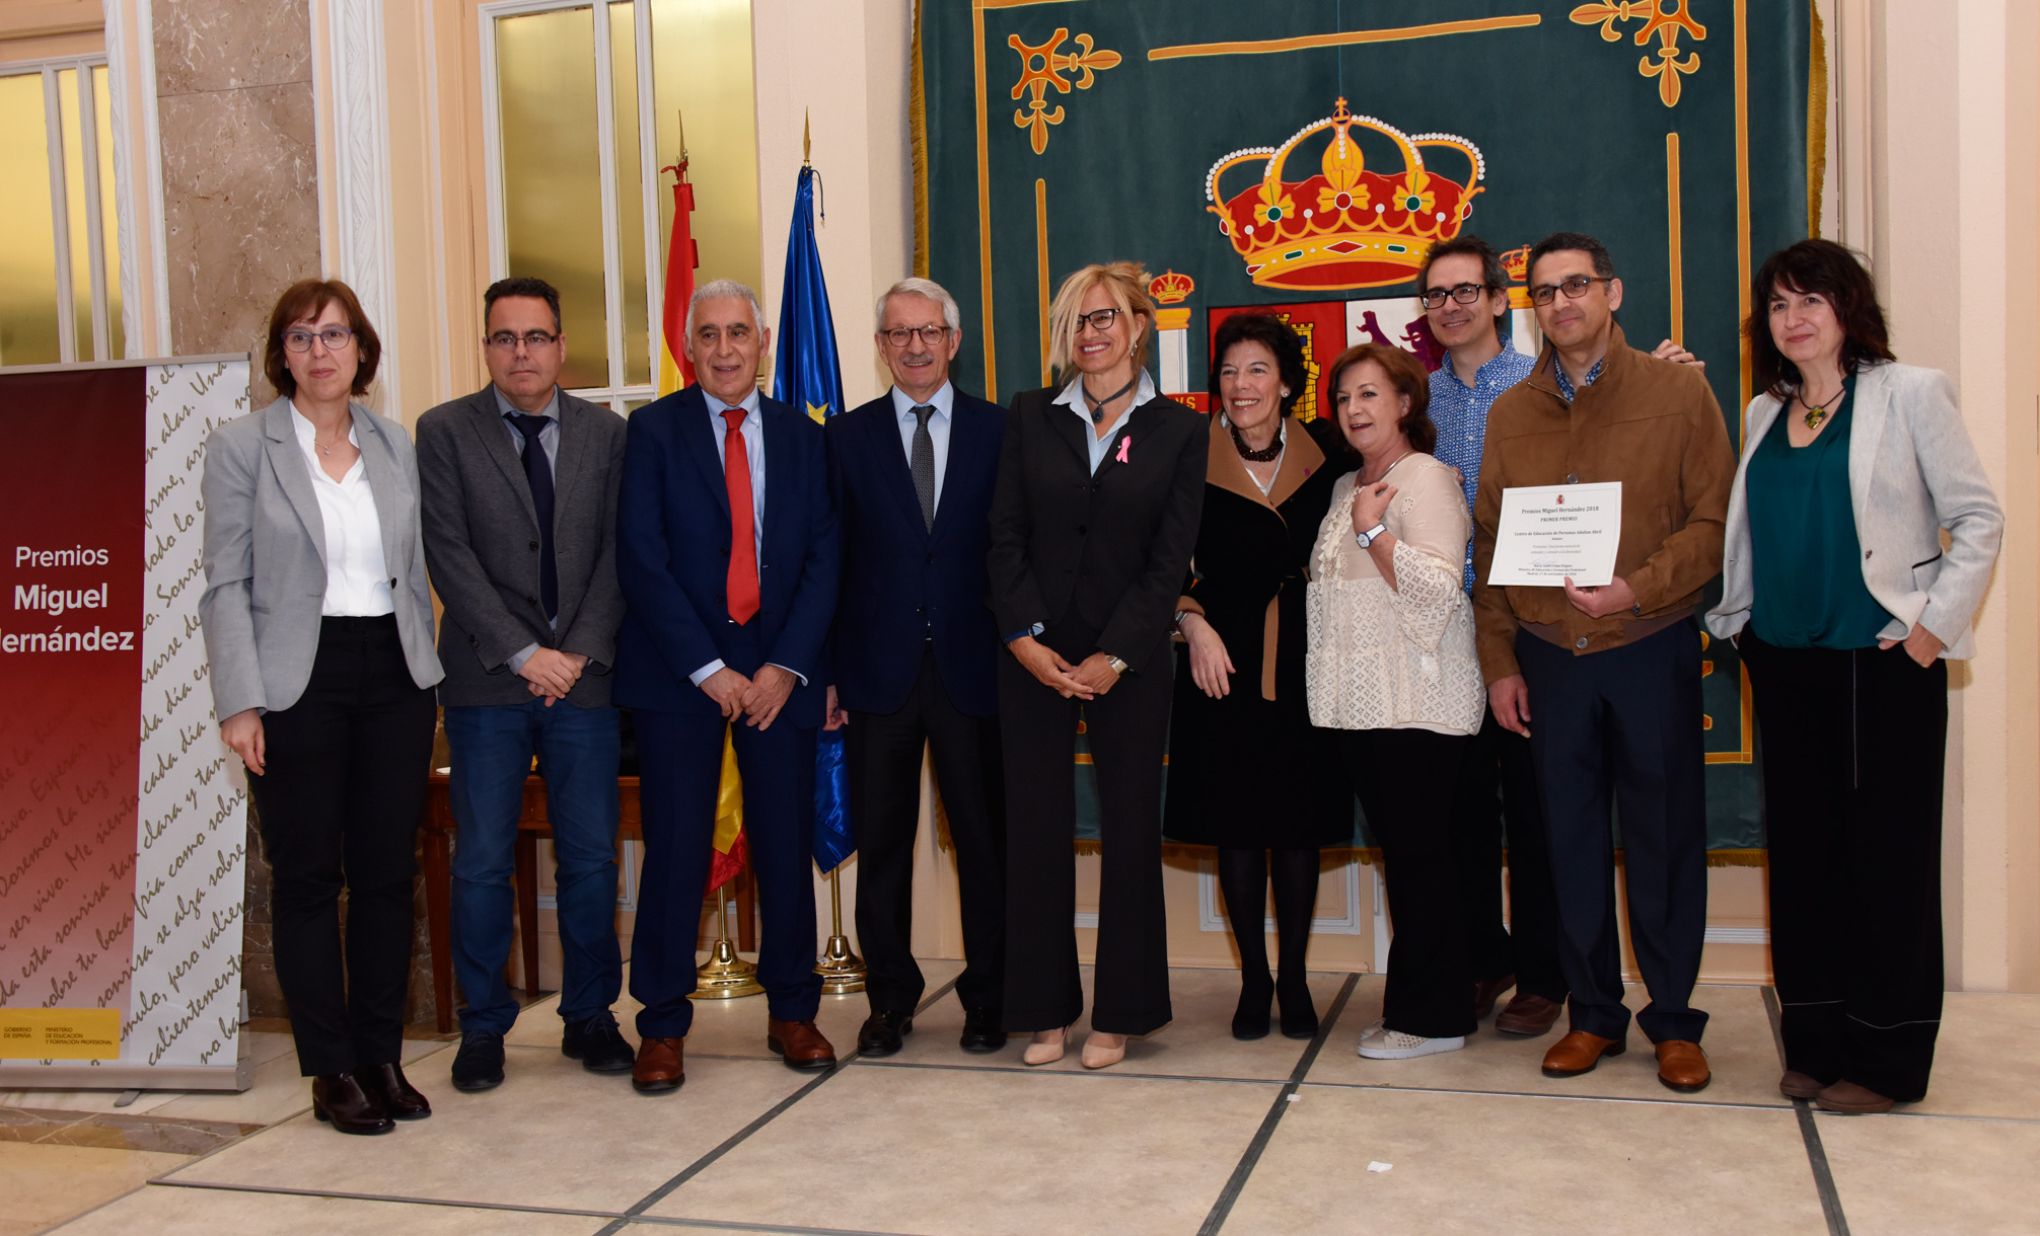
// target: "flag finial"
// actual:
[[807, 138]]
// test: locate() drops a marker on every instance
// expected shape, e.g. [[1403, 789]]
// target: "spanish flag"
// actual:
[[728, 860]]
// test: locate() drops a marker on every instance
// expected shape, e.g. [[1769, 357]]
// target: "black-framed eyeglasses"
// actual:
[[533, 340], [1099, 320], [1574, 287], [335, 337], [900, 336], [1464, 293]]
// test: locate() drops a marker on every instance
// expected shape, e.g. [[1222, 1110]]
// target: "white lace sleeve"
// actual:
[[1432, 518]]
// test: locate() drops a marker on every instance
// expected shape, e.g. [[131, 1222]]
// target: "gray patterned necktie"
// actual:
[[922, 464]]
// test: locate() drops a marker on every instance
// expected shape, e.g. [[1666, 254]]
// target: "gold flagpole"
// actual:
[[842, 971], [724, 976]]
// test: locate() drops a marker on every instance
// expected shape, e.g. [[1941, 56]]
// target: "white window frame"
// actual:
[[60, 215], [619, 394]]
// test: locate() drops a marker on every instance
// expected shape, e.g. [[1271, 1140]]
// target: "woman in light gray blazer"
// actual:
[[318, 627], [1846, 607]]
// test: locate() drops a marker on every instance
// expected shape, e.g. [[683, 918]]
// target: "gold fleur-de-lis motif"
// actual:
[[1663, 20], [1043, 65]]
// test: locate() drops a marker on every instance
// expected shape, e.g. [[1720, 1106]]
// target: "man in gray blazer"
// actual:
[[519, 485]]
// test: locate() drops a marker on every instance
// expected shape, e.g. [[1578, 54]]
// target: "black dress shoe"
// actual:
[[984, 1030], [881, 1033], [399, 1097], [1299, 1016], [478, 1065], [1250, 1016], [598, 1045], [342, 1101]]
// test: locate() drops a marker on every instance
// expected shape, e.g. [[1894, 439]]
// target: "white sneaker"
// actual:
[[1382, 1043]]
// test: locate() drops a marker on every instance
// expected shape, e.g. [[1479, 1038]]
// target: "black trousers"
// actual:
[[1128, 731], [340, 807], [1499, 783], [884, 751], [1854, 748], [1620, 731], [1400, 776]]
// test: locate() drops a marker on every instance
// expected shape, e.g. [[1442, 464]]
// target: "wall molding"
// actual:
[[359, 83]]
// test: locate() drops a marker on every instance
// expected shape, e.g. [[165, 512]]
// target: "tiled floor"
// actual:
[[1193, 1133]]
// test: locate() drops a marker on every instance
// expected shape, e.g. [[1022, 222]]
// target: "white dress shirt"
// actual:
[[752, 427], [943, 402], [357, 577], [1073, 397]]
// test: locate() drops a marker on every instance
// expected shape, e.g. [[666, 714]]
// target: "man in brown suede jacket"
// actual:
[[1613, 673]]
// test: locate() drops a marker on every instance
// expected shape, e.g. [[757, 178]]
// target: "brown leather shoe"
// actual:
[[1682, 1066], [1528, 1016], [800, 1043], [1486, 992], [1794, 1085], [342, 1101], [1846, 1098], [1578, 1052], [400, 1099], [658, 1068]]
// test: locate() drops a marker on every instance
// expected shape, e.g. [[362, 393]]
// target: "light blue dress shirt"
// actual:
[[1460, 410], [1072, 397], [549, 439], [943, 402]]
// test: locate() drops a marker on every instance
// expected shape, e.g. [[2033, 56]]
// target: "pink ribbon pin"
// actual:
[[1124, 444]]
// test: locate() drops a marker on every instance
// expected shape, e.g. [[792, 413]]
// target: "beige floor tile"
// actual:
[[1486, 1163], [1740, 1050], [552, 1135], [1020, 1153], [166, 1210], [86, 1101], [279, 1091], [41, 1185], [1198, 1043], [1987, 1058], [1911, 1174]]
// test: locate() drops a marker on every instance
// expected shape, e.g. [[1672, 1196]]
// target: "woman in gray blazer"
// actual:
[[1846, 609], [318, 627]]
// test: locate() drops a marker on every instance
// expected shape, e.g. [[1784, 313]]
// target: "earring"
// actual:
[[1285, 392]]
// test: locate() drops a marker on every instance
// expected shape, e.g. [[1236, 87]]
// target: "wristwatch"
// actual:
[[1369, 537], [1118, 666]]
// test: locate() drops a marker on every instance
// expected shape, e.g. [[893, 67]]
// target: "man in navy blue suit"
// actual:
[[917, 654], [727, 554]]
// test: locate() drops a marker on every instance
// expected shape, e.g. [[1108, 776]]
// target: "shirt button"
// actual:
[[1580, 643]]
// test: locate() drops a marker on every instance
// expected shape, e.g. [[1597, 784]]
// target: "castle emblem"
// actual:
[[1347, 225]]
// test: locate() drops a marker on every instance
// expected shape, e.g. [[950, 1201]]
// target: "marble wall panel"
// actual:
[[230, 44]]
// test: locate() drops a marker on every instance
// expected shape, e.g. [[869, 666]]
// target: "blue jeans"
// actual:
[[577, 751]]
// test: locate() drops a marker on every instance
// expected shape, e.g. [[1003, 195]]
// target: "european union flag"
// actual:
[[809, 378]]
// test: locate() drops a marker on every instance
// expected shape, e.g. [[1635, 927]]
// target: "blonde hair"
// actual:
[[1126, 283]]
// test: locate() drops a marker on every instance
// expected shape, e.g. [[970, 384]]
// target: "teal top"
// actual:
[[1806, 564]]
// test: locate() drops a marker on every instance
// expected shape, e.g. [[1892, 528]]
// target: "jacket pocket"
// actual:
[[1925, 573]]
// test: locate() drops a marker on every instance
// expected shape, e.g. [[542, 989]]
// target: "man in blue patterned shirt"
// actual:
[[1464, 291]]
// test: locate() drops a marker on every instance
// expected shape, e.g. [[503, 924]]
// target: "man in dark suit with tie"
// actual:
[[519, 509], [728, 557], [917, 658]]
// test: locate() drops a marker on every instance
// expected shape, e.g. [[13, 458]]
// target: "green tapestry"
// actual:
[[1303, 155]]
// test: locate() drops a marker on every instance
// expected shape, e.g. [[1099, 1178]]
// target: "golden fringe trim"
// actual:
[[917, 121], [1816, 129]]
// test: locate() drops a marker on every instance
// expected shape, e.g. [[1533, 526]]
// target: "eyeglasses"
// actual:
[[299, 339], [1574, 287], [1465, 294], [507, 341], [1100, 320], [900, 336]]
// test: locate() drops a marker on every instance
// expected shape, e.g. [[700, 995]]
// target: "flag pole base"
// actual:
[[725, 976], [842, 971]]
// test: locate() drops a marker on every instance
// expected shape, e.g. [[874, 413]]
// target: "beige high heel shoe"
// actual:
[[1046, 1047], [1103, 1054]]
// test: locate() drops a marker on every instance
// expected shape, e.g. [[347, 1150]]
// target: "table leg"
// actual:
[[439, 925], [527, 907]]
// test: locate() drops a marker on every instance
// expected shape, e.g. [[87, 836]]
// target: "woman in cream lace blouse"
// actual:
[[1391, 663]]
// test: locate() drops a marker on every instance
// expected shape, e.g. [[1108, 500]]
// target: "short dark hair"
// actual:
[[1271, 333], [1827, 268], [308, 298], [522, 285], [1492, 275], [1604, 266], [1405, 373]]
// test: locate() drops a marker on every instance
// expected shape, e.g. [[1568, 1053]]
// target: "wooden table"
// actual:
[[532, 825]]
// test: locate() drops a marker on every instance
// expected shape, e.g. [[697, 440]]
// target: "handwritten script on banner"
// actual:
[[122, 818]]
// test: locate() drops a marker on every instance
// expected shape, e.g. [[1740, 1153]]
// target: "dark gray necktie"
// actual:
[[922, 464]]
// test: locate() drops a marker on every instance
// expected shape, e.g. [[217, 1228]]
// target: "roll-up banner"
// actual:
[[123, 820]]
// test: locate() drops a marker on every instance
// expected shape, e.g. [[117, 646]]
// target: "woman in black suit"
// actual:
[[318, 630], [1100, 486], [1248, 772]]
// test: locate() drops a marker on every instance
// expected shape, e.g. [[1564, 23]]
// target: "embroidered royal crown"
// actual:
[[1346, 226]]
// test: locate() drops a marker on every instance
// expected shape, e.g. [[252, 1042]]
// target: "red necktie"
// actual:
[[743, 581]]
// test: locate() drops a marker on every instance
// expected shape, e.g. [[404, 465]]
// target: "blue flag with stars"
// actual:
[[808, 377]]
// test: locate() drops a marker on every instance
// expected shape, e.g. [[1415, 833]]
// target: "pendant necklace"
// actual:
[[1098, 405], [1818, 412]]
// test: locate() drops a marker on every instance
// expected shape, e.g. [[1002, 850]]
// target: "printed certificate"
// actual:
[[1549, 534]]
